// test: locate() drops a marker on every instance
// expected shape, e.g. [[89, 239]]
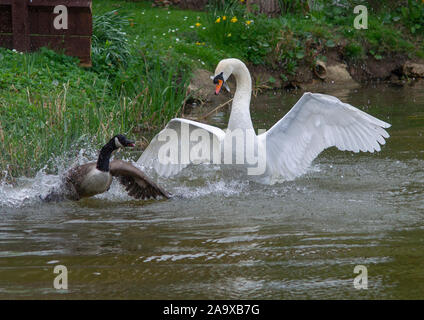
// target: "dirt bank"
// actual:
[[396, 70]]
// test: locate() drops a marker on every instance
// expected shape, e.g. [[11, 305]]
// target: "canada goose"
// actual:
[[315, 123], [96, 177]]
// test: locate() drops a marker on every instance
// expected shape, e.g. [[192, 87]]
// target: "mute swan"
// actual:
[[316, 122], [96, 177]]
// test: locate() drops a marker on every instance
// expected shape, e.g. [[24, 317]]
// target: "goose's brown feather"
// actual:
[[136, 183], [74, 178]]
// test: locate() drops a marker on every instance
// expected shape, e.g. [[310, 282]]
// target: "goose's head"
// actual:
[[121, 141], [223, 71]]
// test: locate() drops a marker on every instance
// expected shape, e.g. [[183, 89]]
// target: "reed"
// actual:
[[40, 119]]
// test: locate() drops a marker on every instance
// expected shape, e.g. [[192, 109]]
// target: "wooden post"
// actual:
[[269, 7], [193, 4], [27, 25], [20, 25]]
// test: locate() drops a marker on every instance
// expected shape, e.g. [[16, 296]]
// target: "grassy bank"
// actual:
[[142, 62], [48, 102], [203, 38]]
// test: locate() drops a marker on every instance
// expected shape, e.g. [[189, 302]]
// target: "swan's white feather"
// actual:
[[317, 122], [150, 157]]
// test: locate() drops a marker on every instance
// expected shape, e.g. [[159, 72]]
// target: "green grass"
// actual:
[[142, 63], [47, 102], [312, 32]]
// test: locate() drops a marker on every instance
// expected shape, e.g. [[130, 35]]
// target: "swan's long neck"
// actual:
[[240, 111]]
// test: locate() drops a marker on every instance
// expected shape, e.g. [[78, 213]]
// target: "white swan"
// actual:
[[316, 122]]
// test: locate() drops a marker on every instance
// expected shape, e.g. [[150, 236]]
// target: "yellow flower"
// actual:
[[225, 17], [249, 22], [198, 24], [218, 20], [197, 43], [243, 0], [234, 20], [229, 35]]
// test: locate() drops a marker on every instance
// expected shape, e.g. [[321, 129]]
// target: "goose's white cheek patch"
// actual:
[[118, 144]]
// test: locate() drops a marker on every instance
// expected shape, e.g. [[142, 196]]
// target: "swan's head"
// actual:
[[223, 71], [121, 141]]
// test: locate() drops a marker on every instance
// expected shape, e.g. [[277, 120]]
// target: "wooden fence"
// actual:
[[27, 25]]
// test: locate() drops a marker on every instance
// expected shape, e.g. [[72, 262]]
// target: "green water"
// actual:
[[225, 238]]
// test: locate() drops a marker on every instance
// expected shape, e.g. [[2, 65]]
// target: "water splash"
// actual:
[[221, 187], [27, 191], [193, 182]]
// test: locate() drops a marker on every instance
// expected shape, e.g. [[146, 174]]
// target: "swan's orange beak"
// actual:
[[219, 86]]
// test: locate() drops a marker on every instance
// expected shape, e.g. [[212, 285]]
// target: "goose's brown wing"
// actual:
[[137, 184]]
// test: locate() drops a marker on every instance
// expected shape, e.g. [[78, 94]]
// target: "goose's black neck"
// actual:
[[104, 156]]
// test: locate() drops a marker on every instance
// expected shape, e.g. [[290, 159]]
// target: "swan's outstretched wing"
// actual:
[[137, 184], [181, 143], [317, 122]]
